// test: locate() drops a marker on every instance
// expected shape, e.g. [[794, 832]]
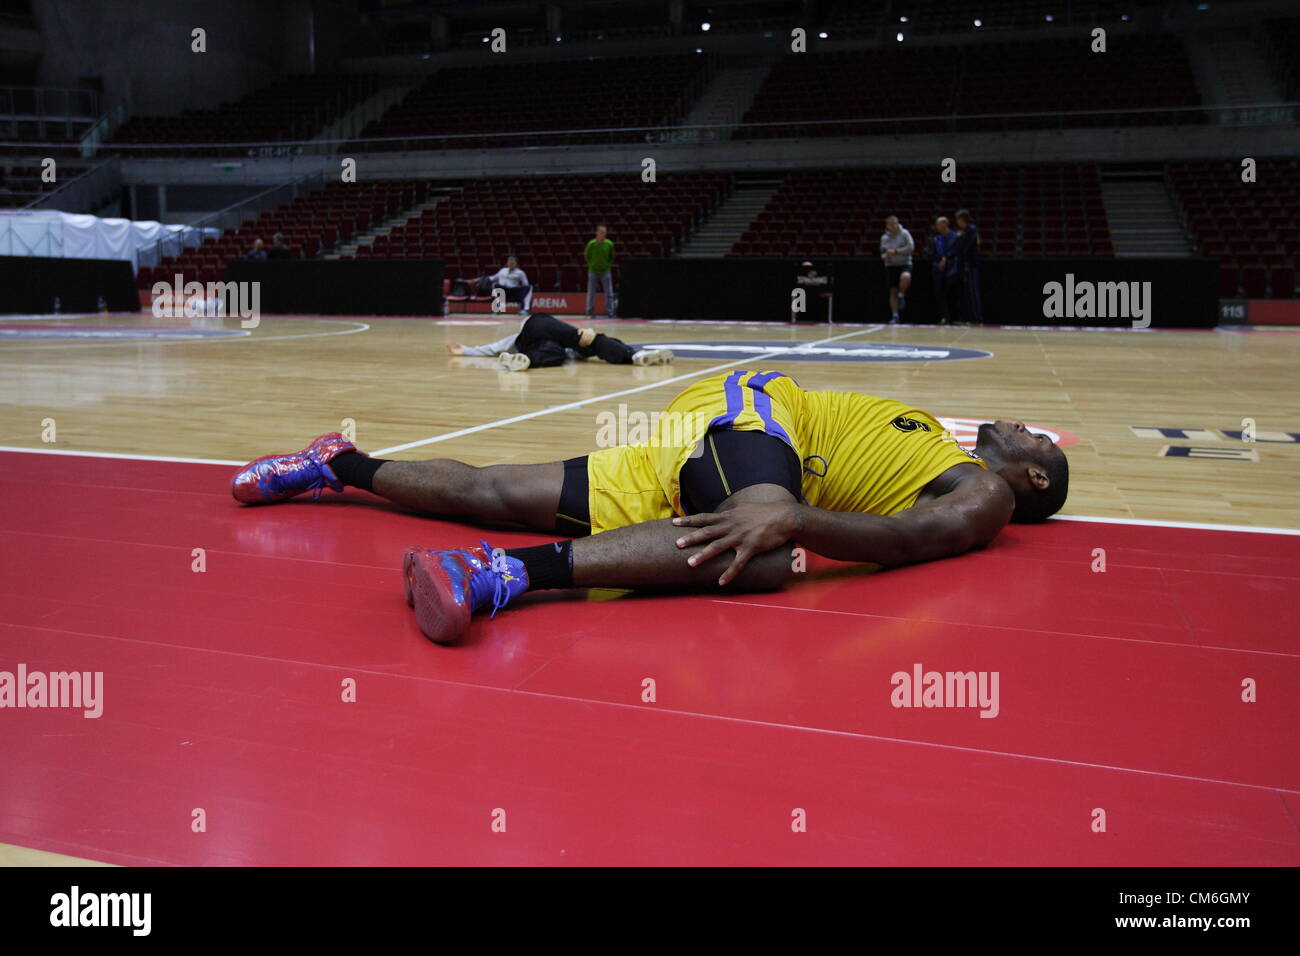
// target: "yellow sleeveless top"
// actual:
[[860, 452], [876, 454]]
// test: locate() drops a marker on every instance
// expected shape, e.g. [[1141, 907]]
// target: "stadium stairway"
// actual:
[[722, 230], [1142, 216], [349, 247], [1230, 71], [368, 110], [728, 97]]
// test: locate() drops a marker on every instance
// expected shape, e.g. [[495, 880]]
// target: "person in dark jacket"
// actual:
[[940, 252], [278, 249], [964, 271]]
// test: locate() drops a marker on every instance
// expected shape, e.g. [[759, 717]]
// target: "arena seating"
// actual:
[[951, 81], [297, 107], [1283, 40], [1249, 227], [311, 224], [1031, 211], [57, 141], [823, 87], [522, 97], [546, 222], [20, 178], [1136, 73]]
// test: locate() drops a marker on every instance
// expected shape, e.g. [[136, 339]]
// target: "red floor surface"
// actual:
[[1118, 691]]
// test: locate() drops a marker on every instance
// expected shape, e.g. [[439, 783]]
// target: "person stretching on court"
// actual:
[[740, 469], [544, 341]]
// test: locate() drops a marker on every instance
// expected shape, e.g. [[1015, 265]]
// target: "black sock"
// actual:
[[548, 565], [356, 470]]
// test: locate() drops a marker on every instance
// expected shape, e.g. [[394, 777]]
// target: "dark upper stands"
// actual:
[[1030, 211], [1250, 228], [1144, 72], [1138, 73], [852, 85], [295, 108], [519, 97], [1283, 40], [929, 17]]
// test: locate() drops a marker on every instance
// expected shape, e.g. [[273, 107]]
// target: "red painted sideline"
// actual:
[[1120, 696]]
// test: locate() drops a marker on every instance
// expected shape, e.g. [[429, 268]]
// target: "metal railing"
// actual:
[[1262, 114], [84, 192], [102, 130], [231, 217], [48, 101]]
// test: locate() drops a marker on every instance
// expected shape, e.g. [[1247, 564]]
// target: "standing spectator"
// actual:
[[964, 271], [896, 247], [258, 252], [515, 281], [599, 255], [940, 253], [278, 249], [818, 289]]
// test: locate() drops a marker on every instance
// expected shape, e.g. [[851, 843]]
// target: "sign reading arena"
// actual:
[[819, 351]]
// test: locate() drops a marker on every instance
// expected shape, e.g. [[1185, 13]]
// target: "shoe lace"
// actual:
[[500, 586], [316, 486], [500, 593]]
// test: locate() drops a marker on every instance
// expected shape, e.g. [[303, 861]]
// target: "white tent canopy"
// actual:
[[34, 232]]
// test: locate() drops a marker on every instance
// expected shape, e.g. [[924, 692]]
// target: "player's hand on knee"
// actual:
[[748, 529], [586, 337]]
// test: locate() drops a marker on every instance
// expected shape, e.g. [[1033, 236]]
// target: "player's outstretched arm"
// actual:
[[969, 515]]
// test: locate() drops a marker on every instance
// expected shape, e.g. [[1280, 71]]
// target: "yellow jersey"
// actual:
[[859, 452]]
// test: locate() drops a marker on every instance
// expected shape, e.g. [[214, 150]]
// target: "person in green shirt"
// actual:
[[599, 255]]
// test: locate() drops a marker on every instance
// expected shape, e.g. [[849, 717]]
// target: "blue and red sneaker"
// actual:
[[277, 477], [446, 587]]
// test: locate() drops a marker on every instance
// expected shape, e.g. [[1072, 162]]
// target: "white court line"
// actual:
[[1193, 525], [1140, 522], [247, 336], [107, 454], [602, 398]]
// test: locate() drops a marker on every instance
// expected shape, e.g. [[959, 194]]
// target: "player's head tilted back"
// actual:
[[1032, 464]]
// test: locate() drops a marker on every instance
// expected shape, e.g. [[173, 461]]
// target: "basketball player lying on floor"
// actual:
[[744, 467], [543, 341]]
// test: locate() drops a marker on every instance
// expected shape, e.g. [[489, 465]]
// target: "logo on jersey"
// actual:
[[905, 424]]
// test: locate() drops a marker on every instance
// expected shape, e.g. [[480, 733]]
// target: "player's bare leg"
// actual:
[[646, 555], [446, 587], [525, 494]]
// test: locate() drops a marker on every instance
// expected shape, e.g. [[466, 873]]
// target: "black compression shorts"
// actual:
[[731, 460]]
